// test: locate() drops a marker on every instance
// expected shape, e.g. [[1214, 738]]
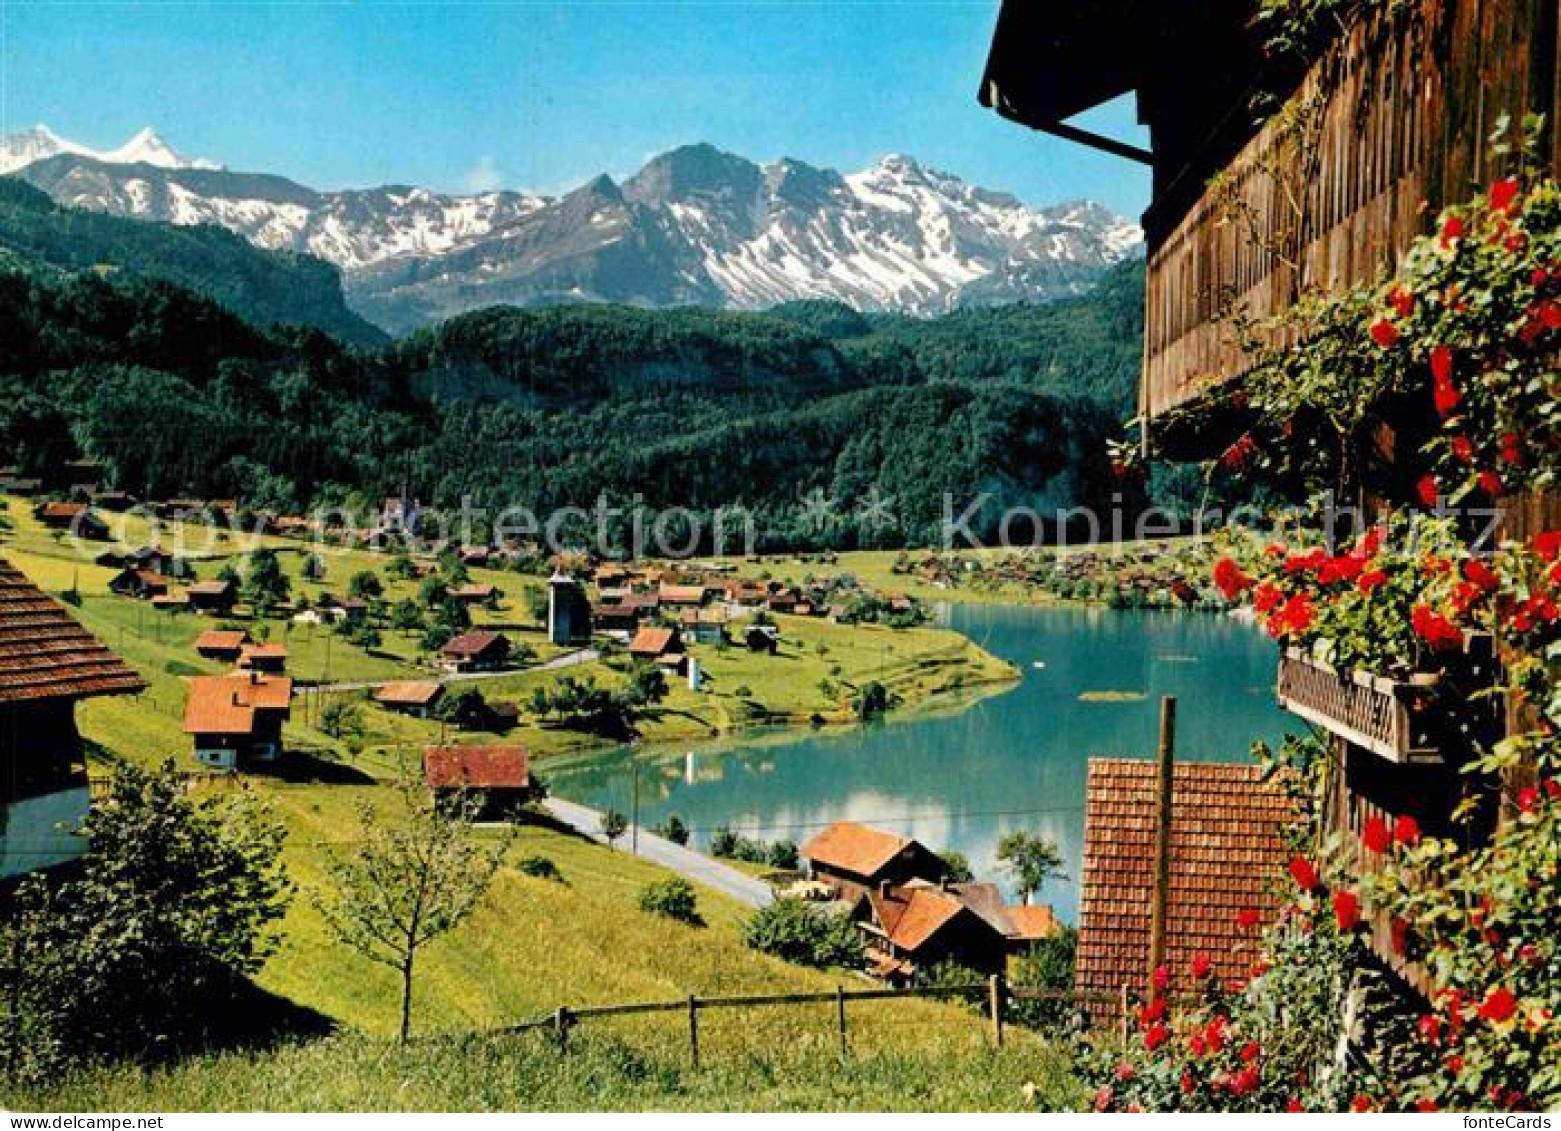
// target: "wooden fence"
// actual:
[[994, 993]]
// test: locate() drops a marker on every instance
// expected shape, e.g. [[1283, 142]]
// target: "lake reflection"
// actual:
[[1012, 758]]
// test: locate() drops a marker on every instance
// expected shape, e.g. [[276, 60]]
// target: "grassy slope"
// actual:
[[534, 944]]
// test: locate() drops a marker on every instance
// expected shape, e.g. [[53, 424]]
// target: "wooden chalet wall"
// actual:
[[1409, 100]]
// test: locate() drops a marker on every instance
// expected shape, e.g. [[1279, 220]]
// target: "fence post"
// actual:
[[994, 994], [561, 1027], [693, 1030], [840, 1016]]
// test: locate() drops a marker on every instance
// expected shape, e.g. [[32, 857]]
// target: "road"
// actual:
[[567, 660], [685, 862]]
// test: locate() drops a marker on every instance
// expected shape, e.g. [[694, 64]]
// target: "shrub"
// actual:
[[674, 898], [539, 867], [797, 932]]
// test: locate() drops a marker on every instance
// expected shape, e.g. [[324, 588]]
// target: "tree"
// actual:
[[405, 616], [791, 929], [614, 825], [673, 829], [433, 592], [265, 585], [407, 883], [342, 717], [1031, 859], [165, 915], [366, 585], [673, 897], [873, 700], [313, 568], [956, 867]]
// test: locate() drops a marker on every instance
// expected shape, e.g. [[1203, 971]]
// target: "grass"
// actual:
[[600, 1072]]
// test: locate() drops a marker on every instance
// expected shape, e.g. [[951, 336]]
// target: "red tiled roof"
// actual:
[[221, 640], [226, 704], [262, 652], [62, 510], [1226, 853], [652, 641], [472, 643], [1031, 923], [477, 767], [912, 915], [854, 848], [45, 654]]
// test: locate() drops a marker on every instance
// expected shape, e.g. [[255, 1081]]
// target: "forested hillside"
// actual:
[[563, 406], [39, 236]]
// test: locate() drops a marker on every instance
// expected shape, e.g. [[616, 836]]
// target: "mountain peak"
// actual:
[[694, 171], [145, 148]]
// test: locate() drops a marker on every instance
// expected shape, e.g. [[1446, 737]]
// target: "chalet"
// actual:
[[476, 593], [854, 859], [476, 555], [682, 596], [615, 620], [223, 644], [417, 698], [658, 645], [234, 719], [476, 652], [113, 500], [48, 663], [146, 557], [74, 517], [703, 626], [215, 597], [291, 526], [911, 928], [783, 602], [1227, 848], [172, 602], [270, 658], [496, 778], [142, 584]]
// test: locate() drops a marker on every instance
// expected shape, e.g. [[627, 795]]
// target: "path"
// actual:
[[685, 862], [567, 660]]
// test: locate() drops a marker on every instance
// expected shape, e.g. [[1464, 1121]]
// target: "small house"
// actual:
[[476, 652], [77, 518], [497, 779], [214, 597], [271, 658], [704, 626], [171, 602], [615, 620], [912, 928], [682, 596], [658, 645], [222, 644], [476, 593], [235, 719], [854, 859], [417, 698], [142, 584]]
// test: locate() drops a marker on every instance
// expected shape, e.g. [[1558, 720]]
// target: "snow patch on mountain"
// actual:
[[19, 150]]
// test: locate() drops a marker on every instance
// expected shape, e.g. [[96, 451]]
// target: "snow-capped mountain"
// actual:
[[695, 225], [145, 148]]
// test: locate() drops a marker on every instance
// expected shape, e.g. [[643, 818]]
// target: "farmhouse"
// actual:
[[215, 597], [682, 596], [234, 719], [171, 602], [854, 859], [48, 663], [475, 652], [496, 779], [270, 658], [615, 620], [142, 584], [914, 927], [658, 645], [476, 593], [78, 518], [222, 644], [417, 698], [704, 626]]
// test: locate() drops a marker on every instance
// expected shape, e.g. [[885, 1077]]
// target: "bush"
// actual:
[[673, 829], [797, 932], [1049, 965], [673, 898], [539, 867]]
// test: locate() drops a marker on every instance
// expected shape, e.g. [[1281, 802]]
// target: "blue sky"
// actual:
[[523, 94]]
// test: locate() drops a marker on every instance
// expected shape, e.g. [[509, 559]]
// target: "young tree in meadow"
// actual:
[[614, 825], [408, 881], [265, 585], [1031, 859], [366, 585]]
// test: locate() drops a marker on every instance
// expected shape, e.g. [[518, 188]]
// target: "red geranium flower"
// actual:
[[1304, 874], [1463, 449], [1375, 835], [1402, 300], [1528, 799], [1160, 978], [1201, 966], [1384, 333], [1426, 1106], [1245, 1081], [1499, 1005], [1441, 363], [1444, 394], [1452, 228], [1247, 918], [1155, 1036], [1267, 597], [1481, 574], [1406, 830], [1490, 483], [1371, 580], [1504, 194], [1435, 629], [1430, 1027], [1230, 580], [1346, 910], [1511, 448], [1548, 545], [1251, 1051], [1429, 490]]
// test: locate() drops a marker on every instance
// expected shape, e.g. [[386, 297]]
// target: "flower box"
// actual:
[[1397, 719]]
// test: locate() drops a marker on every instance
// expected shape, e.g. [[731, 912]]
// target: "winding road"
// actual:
[[687, 863]]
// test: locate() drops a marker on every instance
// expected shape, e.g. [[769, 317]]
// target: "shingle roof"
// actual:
[[1226, 853], [912, 915], [45, 654], [473, 643], [1032, 923], [652, 641], [412, 693], [854, 848], [222, 640], [477, 767], [226, 704]]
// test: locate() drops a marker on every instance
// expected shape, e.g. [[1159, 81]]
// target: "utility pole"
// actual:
[[1165, 763], [634, 823]]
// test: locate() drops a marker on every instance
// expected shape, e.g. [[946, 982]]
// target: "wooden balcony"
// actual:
[[1404, 107]]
